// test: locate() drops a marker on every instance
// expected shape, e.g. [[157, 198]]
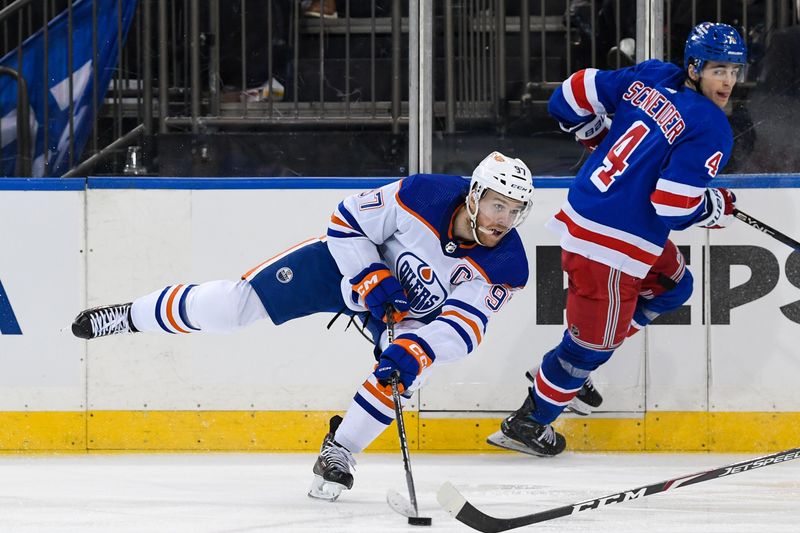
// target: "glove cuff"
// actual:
[[414, 347], [365, 281], [590, 129], [713, 209]]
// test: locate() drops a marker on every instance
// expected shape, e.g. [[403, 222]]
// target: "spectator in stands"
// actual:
[[611, 45], [319, 8], [686, 13], [774, 105], [258, 85]]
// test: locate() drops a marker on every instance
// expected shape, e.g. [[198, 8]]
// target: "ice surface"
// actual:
[[240, 493]]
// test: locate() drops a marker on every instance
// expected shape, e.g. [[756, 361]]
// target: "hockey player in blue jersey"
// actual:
[[648, 174], [441, 250]]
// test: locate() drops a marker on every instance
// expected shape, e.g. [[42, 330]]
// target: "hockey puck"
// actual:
[[419, 521]]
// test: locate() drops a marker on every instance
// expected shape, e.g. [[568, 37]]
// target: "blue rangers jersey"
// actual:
[[452, 288], [649, 175]]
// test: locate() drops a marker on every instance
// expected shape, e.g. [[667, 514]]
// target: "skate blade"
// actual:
[[325, 490], [400, 504], [579, 408], [501, 441]]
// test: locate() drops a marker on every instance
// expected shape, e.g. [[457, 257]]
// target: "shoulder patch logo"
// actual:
[[284, 275]]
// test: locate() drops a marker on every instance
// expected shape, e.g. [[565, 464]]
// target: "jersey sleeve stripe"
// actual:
[[575, 96], [673, 212], [458, 329], [340, 235], [471, 323], [592, 97], [350, 218], [668, 204], [675, 200], [340, 222], [682, 189], [669, 211], [580, 92], [452, 302]]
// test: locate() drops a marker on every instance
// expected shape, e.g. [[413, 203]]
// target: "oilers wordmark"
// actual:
[[425, 291]]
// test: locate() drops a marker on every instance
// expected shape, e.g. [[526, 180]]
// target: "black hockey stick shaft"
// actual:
[[401, 431], [769, 230], [398, 413], [458, 506]]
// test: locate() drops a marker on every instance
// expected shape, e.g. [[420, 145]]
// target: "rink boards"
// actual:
[[721, 375]]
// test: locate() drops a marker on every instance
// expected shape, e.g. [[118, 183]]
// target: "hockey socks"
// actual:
[[369, 414], [214, 306], [561, 375]]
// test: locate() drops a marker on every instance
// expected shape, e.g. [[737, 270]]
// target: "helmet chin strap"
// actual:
[[473, 221], [474, 227], [473, 216]]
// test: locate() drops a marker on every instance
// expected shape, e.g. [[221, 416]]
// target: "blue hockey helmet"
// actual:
[[710, 41]]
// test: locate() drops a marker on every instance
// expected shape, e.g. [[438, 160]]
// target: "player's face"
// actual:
[[496, 216], [718, 79]]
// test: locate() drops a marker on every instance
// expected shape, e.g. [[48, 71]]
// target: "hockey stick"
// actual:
[[760, 226], [393, 498], [458, 506]]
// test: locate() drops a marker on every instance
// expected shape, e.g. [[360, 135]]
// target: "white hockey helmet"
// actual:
[[505, 175]]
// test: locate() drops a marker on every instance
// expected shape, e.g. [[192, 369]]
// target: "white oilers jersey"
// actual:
[[452, 288]]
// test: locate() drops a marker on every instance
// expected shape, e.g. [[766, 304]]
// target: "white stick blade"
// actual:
[[400, 504], [450, 499]]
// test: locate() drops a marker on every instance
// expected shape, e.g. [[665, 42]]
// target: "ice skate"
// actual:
[[332, 469], [585, 401], [102, 321], [520, 432]]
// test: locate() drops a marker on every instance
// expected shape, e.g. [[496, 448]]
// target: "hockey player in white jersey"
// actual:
[[440, 250]]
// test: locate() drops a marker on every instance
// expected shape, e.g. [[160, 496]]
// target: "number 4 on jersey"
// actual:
[[712, 164], [616, 160]]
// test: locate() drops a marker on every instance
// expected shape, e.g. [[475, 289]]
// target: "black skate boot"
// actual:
[[587, 399], [102, 321], [332, 469], [520, 432]]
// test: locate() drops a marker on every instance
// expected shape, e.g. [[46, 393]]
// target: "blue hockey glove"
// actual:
[[377, 288], [407, 357]]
